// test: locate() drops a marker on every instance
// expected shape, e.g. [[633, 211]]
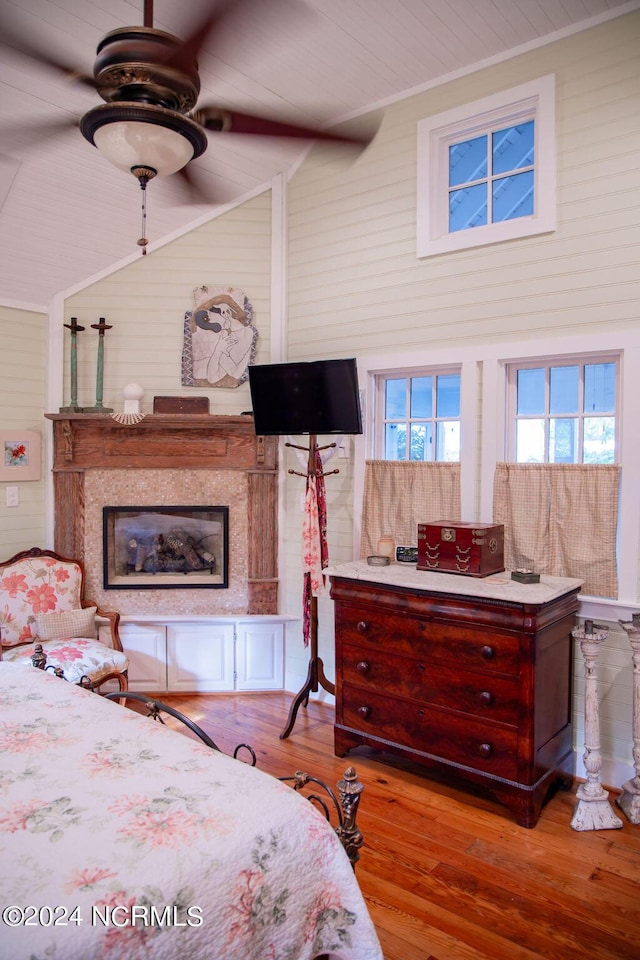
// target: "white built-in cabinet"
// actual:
[[204, 655]]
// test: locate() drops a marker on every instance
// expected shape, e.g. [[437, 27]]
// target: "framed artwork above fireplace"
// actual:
[[155, 548]]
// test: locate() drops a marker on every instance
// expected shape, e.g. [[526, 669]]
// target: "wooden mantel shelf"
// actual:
[[84, 441], [171, 441]]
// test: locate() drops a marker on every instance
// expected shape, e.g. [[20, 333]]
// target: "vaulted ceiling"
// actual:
[[67, 214]]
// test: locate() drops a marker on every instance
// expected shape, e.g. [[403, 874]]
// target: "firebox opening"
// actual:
[[165, 547]]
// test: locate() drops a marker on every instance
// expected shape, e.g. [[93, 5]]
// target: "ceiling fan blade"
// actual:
[[217, 28], [187, 53], [216, 120], [26, 47], [22, 134], [193, 189]]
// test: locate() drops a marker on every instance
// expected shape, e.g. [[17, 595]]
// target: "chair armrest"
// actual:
[[114, 619]]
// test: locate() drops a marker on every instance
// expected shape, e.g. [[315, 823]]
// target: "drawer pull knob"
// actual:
[[362, 666], [488, 652], [421, 666], [362, 626], [364, 712], [485, 749], [487, 698]]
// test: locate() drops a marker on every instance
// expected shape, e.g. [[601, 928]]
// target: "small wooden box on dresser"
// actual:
[[470, 678]]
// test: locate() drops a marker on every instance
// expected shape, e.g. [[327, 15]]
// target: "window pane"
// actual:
[[599, 439], [599, 387], [513, 197], [395, 402], [468, 208], [513, 147], [530, 441], [421, 401], [531, 391], [395, 441], [448, 441], [448, 395], [563, 389], [468, 161], [563, 440], [421, 441]]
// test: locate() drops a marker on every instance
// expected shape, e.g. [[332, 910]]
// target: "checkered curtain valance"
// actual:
[[560, 519], [398, 495]]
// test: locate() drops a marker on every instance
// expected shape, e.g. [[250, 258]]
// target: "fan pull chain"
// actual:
[[144, 174], [142, 242]]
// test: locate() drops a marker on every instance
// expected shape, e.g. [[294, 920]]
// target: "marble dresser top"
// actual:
[[499, 586]]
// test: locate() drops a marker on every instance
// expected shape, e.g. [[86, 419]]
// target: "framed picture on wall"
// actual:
[[20, 455]]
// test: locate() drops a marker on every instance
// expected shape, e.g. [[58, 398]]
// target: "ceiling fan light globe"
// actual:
[[142, 135], [129, 144]]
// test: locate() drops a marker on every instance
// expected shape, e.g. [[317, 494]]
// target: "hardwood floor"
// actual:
[[446, 875]]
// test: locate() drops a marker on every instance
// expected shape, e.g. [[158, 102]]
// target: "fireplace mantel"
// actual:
[[83, 442]]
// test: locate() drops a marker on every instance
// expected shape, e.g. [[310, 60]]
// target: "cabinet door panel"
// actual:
[[200, 657], [259, 656], [146, 647]]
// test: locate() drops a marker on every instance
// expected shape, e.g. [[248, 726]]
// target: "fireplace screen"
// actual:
[[165, 547]]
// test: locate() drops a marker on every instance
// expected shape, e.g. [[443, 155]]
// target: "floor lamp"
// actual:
[[316, 677]]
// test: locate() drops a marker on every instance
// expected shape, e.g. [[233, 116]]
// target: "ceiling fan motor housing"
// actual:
[[139, 65]]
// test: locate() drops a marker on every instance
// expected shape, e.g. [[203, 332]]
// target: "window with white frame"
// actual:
[[418, 415], [564, 410], [486, 171]]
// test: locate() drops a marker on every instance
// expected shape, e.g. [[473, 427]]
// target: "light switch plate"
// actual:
[[13, 497]]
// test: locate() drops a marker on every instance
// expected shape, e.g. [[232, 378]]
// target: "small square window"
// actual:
[[486, 171]]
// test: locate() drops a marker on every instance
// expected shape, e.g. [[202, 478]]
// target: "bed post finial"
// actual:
[[39, 657], [350, 790]]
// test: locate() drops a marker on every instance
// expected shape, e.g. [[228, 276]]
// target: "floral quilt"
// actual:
[[121, 839]]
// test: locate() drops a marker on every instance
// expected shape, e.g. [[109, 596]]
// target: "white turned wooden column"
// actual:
[[593, 810], [629, 799]]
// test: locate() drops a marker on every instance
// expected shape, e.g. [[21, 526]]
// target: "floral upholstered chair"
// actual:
[[42, 601]]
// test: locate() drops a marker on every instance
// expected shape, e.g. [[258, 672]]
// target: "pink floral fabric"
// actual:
[[76, 656], [158, 846], [40, 585], [33, 586]]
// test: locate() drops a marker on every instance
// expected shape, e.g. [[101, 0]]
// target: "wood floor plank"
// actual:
[[449, 875]]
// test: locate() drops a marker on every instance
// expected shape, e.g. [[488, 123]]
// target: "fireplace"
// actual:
[[160, 547], [162, 461]]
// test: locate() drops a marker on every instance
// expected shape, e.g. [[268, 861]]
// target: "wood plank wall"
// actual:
[[358, 289], [23, 340]]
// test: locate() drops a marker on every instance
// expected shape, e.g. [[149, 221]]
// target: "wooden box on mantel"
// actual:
[[181, 404], [470, 549]]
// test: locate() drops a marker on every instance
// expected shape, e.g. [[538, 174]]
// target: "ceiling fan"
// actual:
[[150, 123]]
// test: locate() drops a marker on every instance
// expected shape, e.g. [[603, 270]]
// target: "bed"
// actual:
[[121, 839]]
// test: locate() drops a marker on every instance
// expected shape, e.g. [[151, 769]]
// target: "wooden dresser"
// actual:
[[471, 678]]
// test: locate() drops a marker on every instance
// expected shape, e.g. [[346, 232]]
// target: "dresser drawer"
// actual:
[[491, 748], [461, 644], [474, 692]]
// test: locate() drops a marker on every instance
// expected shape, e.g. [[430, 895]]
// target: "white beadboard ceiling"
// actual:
[[66, 214]]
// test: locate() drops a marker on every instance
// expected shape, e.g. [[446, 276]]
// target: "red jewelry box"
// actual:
[[470, 549]]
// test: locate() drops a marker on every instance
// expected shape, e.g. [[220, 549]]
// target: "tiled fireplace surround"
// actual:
[[170, 460]]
